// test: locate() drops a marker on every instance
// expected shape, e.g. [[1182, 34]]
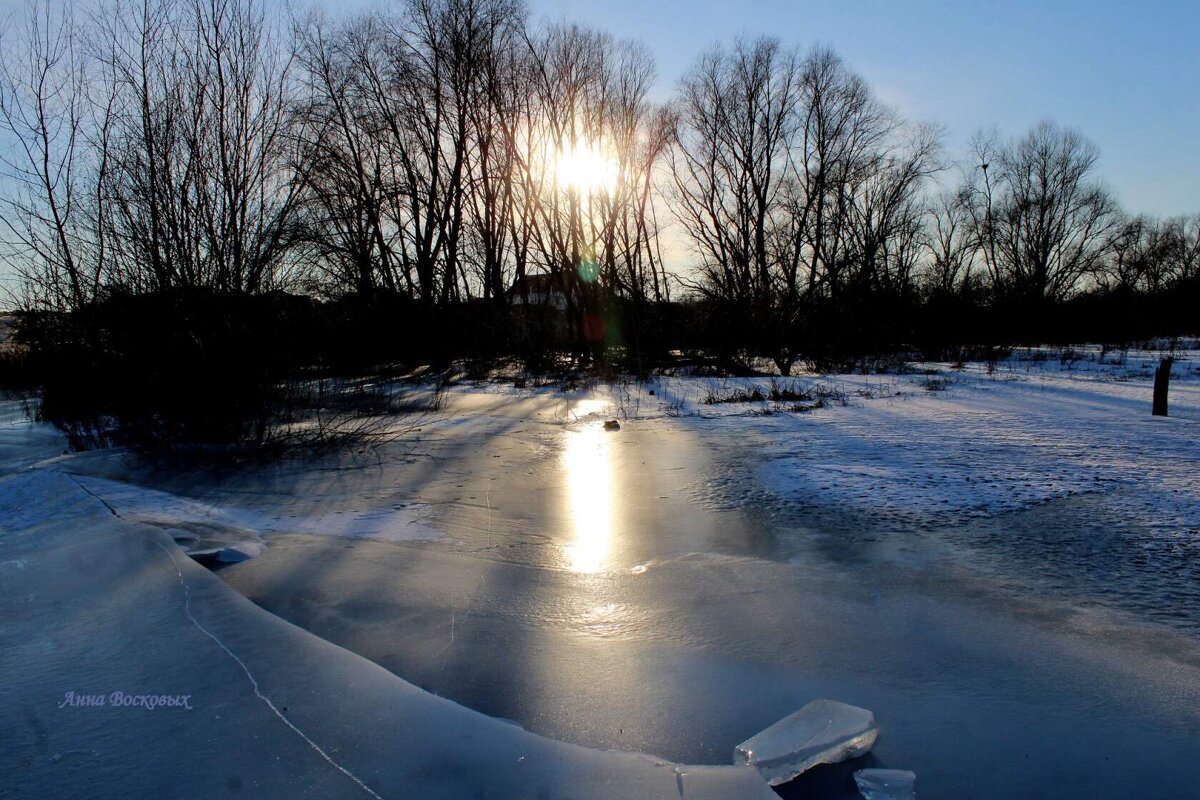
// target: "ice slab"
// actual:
[[886, 784], [823, 732]]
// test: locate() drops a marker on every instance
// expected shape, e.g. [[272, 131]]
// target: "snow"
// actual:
[[823, 732], [886, 784], [22, 443], [983, 443]]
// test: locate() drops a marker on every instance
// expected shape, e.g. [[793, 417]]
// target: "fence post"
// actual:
[[1162, 377]]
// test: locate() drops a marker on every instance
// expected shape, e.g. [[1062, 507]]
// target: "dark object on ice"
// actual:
[[652, 393], [221, 557], [612, 425], [1162, 377]]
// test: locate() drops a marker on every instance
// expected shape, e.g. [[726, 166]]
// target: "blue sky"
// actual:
[[1127, 74]]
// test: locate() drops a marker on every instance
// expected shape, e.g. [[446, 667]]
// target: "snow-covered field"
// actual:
[[1001, 561], [942, 445]]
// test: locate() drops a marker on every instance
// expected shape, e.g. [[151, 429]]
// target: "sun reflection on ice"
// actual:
[[581, 409], [588, 464]]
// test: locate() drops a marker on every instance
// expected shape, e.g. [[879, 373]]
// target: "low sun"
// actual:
[[585, 168]]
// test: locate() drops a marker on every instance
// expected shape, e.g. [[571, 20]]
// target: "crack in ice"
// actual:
[[187, 600], [187, 610]]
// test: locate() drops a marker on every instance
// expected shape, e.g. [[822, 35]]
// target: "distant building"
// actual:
[[8, 330], [542, 291]]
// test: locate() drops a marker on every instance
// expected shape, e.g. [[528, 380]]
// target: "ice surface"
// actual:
[[714, 633], [886, 784], [718, 783], [823, 732], [99, 606]]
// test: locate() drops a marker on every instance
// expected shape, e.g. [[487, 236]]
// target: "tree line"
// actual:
[[442, 159]]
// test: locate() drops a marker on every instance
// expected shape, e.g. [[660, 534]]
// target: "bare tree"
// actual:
[[1042, 221], [734, 121], [951, 246], [53, 242], [887, 215], [593, 146], [342, 165], [494, 102], [796, 186], [431, 144], [1150, 256], [1175, 246], [840, 144], [568, 72], [198, 187]]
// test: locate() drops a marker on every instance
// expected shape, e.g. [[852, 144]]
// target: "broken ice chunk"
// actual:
[[886, 784], [823, 732]]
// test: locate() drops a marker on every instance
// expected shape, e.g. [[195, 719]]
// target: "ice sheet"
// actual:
[[823, 732], [658, 647], [102, 607]]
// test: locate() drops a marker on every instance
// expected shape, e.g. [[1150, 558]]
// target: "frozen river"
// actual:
[[675, 586], [653, 590]]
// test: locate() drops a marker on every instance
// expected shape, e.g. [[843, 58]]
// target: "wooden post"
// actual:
[[1162, 377]]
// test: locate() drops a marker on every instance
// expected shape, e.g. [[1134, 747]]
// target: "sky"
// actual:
[[1126, 74]]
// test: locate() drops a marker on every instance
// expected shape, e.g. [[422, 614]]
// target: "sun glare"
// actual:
[[589, 498], [585, 168]]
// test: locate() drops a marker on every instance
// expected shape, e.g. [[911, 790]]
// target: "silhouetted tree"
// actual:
[[949, 267], [735, 119], [1042, 222], [56, 122]]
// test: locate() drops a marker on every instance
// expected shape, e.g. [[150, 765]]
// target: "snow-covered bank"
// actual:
[[98, 607]]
